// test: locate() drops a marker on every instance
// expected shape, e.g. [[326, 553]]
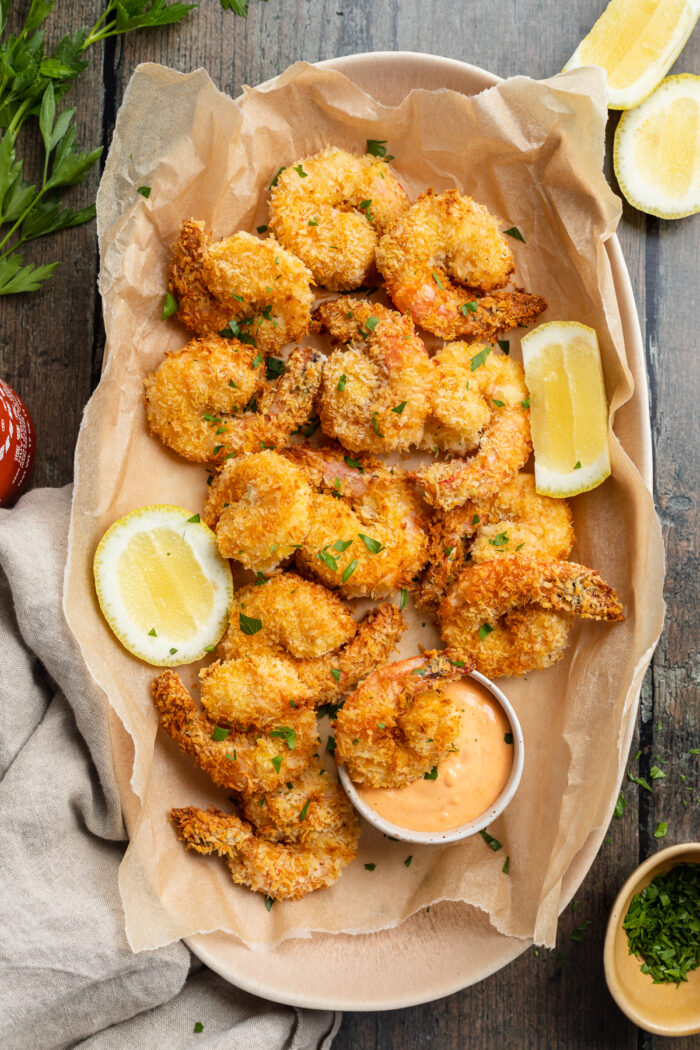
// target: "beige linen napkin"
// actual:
[[67, 975]]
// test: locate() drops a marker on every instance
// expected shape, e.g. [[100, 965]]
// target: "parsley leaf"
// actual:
[[515, 233], [377, 147], [249, 624]]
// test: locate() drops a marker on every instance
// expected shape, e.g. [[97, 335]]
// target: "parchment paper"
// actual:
[[532, 152]]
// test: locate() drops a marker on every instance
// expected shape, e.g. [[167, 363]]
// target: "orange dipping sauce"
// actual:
[[468, 781]]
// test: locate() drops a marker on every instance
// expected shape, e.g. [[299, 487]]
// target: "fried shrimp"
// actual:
[[376, 390], [511, 615], [329, 210], [199, 399], [310, 629], [399, 723], [367, 531], [259, 506], [513, 519], [480, 403], [280, 870], [245, 286], [246, 761], [445, 263]]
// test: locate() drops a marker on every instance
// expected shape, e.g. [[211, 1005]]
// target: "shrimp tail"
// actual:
[[288, 405], [568, 587], [209, 831]]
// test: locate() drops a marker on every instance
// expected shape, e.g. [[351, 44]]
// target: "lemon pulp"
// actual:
[[665, 147], [162, 584]]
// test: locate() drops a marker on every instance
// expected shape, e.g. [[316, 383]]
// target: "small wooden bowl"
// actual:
[[663, 1009]]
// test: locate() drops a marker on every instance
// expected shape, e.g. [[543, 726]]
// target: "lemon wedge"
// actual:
[[568, 410], [162, 585], [657, 150], [636, 42]]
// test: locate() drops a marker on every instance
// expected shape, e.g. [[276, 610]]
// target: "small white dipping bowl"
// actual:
[[439, 838]]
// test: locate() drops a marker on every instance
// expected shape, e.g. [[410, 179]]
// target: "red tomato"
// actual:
[[17, 445]]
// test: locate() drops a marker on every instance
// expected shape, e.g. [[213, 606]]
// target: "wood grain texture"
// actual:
[[50, 347]]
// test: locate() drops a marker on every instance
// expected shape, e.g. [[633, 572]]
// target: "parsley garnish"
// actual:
[[249, 624], [153, 632], [408, 860], [269, 901], [660, 830], [504, 345], [498, 404], [313, 222], [349, 570], [173, 651], [375, 425], [377, 147], [198, 1026], [219, 733], [515, 232], [506, 866], [577, 464], [577, 934], [663, 924], [373, 546], [170, 305], [399, 408], [470, 307], [620, 807], [354, 463], [330, 744], [525, 403], [300, 171], [287, 734], [404, 596], [640, 781], [276, 762], [485, 630], [257, 360], [342, 545], [370, 867], [336, 672], [438, 282], [275, 367], [304, 810], [341, 382], [491, 841], [274, 181], [432, 775], [145, 191], [479, 359], [508, 737], [328, 560], [262, 229]]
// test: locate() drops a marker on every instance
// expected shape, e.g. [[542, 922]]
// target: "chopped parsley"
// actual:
[[277, 762], [640, 781], [485, 630], [577, 934], [198, 1026], [342, 382], [504, 345], [349, 570], [372, 545], [377, 147], [432, 775], [285, 733], [274, 367], [269, 901], [257, 360], [408, 860], [438, 282], [342, 545], [404, 596], [370, 867], [375, 425], [354, 463], [145, 191], [663, 924], [328, 560], [336, 672], [153, 633], [300, 171], [525, 403], [170, 305], [304, 810], [577, 464], [313, 222], [479, 359], [491, 841], [249, 624], [515, 233], [262, 229], [173, 651], [506, 866], [508, 737], [274, 181], [660, 830], [330, 744], [219, 733], [399, 408], [470, 307]]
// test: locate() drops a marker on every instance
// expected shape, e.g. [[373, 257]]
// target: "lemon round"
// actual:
[[657, 150], [568, 409], [162, 585], [636, 42]]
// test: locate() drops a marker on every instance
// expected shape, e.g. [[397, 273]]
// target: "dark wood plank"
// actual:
[[50, 349]]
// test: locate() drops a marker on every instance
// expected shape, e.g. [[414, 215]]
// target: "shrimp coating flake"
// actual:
[[480, 402], [376, 390], [444, 260], [367, 530], [329, 210], [511, 615], [513, 519], [328, 651], [253, 289], [198, 400], [280, 870], [241, 760], [399, 723]]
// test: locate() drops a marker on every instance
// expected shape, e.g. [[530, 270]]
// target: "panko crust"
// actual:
[[399, 723], [329, 209], [241, 281]]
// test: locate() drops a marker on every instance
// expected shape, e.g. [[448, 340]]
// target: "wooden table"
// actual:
[[51, 349]]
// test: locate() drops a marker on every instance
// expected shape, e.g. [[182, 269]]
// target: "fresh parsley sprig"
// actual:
[[32, 83]]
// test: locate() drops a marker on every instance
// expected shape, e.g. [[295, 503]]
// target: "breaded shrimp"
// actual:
[[280, 870], [375, 395], [367, 526], [511, 615], [329, 812], [399, 723], [513, 519], [199, 399], [443, 260], [329, 210], [328, 650], [480, 402], [248, 287], [242, 760], [260, 508]]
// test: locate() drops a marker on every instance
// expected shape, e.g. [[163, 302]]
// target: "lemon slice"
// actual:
[[568, 410], [636, 42], [657, 150], [162, 585]]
